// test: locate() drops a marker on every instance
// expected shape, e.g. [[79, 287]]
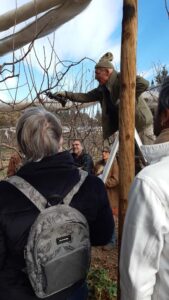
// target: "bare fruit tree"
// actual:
[[79, 120], [30, 87]]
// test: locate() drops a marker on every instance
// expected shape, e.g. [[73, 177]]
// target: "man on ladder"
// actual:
[[108, 94]]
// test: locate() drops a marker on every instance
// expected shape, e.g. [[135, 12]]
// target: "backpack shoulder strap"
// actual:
[[37, 198], [29, 191], [68, 198]]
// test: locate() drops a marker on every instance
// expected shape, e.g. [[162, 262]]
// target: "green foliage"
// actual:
[[101, 287], [162, 73]]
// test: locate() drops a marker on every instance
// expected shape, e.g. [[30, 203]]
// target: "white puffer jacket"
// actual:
[[144, 262]]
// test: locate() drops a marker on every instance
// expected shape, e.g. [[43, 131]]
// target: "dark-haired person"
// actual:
[[82, 159], [52, 172], [144, 261], [108, 94]]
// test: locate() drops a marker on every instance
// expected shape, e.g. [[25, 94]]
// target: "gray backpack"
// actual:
[[58, 249]]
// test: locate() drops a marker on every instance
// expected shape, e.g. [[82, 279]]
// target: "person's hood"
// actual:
[[154, 153]]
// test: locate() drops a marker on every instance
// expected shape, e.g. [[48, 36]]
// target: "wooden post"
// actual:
[[127, 109]]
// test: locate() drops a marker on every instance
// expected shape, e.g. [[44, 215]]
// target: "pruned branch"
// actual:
[[166, 7]]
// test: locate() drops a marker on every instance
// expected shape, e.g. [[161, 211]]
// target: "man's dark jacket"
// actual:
[[109, 96], [84, 161], [52, 175]]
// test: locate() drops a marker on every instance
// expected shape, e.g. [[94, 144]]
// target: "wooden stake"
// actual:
[[127, 109]]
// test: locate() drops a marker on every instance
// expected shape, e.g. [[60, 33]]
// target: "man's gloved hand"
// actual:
[[50, 95], [61, 94], [55, 95], [60, 97]]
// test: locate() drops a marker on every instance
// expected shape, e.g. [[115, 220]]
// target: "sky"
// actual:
[[96, 31]]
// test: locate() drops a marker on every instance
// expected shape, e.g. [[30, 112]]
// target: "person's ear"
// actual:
[[109, 71], [106, 71]]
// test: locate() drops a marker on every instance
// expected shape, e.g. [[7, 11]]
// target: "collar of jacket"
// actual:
[[53, 173], [156, 152], [78, 156], [61, 160]]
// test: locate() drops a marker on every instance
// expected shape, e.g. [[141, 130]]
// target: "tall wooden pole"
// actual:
[[127, 108]]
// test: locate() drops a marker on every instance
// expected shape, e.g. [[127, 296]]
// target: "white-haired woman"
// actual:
[[51, 172]]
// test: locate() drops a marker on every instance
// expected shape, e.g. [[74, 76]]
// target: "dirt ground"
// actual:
[[107, 259]]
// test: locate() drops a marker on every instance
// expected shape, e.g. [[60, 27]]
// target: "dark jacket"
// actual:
[[108, 95], [53, 175], [85, 161]]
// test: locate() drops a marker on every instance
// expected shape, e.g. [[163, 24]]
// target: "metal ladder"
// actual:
[[114, 150]]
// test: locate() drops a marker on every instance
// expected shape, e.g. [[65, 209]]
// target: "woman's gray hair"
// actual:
[[38, 133]]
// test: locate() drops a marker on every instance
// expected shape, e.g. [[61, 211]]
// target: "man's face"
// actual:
[[102, 75], [77, 147], [105, 155]]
